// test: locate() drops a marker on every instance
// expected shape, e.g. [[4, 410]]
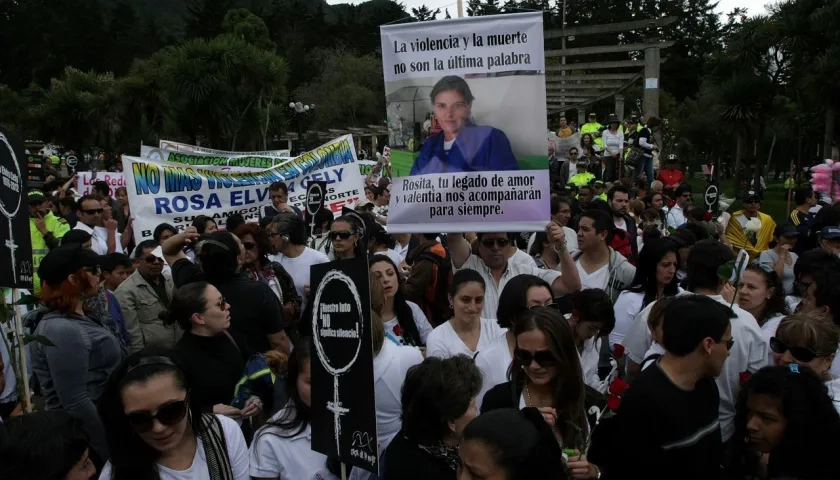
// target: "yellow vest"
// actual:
[[581, 179], [58, 227]]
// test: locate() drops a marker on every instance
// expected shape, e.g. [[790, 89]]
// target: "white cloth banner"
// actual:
[[186, 148], [84, 182], [216, 159], [161, 191]]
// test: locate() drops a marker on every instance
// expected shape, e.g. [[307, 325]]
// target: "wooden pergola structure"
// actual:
[[576, 86]]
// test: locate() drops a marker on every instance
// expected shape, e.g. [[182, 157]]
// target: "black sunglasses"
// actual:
[[800, 354], [544, 358], [94, 211], [344, 235], [491, 242], [221, 303], [168, 415], [249, 245], [152, 259]]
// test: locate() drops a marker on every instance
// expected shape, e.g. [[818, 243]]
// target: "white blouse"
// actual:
[[389, 370], [444, 342], [286, 458], [237, 453]]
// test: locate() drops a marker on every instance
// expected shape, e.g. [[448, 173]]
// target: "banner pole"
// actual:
[[460, 8], [343, 471]]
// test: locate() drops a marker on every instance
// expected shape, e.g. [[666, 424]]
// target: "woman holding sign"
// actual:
[[461, 145]]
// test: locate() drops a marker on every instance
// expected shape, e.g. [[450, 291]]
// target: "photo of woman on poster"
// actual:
[[461, 145]]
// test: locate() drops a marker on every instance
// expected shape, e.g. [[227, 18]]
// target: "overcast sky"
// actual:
[[754, 6]]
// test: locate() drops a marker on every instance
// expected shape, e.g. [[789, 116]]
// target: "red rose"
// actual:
[[671, 203], [707, 216], [618, 351], [613, 402], [618, 386], [398, 331], [744, 377]]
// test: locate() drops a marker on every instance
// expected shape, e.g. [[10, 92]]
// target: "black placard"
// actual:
[[343, 406], [711, 197], [316, 193], [35, 171], [16, 246]]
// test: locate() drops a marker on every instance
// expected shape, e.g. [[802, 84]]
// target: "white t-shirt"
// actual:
[[298, 268], [393, 255], [444, 342], [596, 279], [626, 307], [389, 370], [493, 364], [237, 453], [833, 386], [589, 358], [675, 217], [99, 240], [423, 325], [291, 458], [521, 257], [749, 353]]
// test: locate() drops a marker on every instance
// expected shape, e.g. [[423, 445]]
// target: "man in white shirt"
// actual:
[[750, 350], [104, 234], [496, 267], [561, 213], [598, 265], [676, 216]]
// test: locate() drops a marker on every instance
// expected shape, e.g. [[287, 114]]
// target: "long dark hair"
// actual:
[[568, 386], [812, 426], [131, 457], [187, 300], [296, 416], [644, 281], [514, 298], [405, 317]]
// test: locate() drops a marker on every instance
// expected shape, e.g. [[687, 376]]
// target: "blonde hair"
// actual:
[[814, 331]]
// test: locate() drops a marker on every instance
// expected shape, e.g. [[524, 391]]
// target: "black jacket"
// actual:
[[404, 460]]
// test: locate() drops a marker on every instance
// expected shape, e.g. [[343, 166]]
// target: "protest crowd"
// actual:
[[176, 327]]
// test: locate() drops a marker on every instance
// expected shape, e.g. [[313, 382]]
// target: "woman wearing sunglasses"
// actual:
[[810, 340], [546, 374], [785, 427], [257, 247], [466, 333], [282, 448], [212, 356], [73, 371], [520, 293], [157, 430], [344, 235]]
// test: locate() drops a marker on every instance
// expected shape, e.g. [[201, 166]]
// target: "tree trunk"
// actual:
[[739, 153], [770, 157], [829, 131]]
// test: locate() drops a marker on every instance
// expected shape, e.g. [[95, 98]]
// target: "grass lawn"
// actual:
[[774, 203]]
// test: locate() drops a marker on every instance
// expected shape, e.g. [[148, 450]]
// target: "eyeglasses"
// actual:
[[800, 354], [492, 242], [544, 358], [802, 287], [168, 415], [94, 211], [151, 259], [573, 154], [729, 343], [221, 303], [273, 234], [249, 245], [344, 235]]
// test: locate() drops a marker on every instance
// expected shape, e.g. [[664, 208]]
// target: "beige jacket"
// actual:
[[141, 308]]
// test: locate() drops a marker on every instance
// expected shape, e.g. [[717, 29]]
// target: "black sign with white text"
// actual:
[[343, 405], [15, 242]]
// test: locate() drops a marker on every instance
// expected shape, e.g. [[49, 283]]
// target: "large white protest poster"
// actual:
[[164, 191], [466, 116]]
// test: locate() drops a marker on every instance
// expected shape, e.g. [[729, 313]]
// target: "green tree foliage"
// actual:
[[424, 13]]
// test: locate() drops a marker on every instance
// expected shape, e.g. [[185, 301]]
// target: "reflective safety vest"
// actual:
[[58, 226], [593, 129]]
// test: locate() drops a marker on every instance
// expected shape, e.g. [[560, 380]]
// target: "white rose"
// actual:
[[753, 225]]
